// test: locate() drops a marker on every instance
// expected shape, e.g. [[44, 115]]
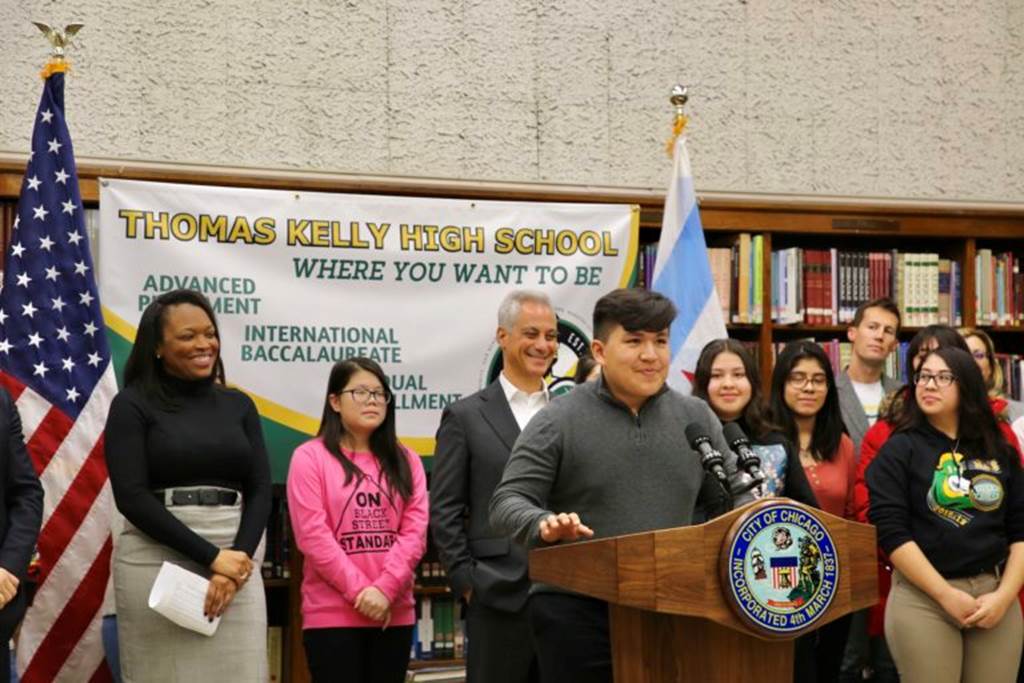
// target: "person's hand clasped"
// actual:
[[959, 605], [373, 604], [8, 586], [991, 608], [563, 527], [233, 564], [219, 595]]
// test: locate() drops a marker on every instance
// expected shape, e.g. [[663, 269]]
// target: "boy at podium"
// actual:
[[608, 458]]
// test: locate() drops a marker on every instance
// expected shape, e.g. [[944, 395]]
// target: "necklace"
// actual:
[[958, 461]]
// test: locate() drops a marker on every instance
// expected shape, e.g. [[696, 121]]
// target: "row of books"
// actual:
[[430, 572], [1012, 366], [998, 288], [276, 561], [440, 631], [737, 271], [825, 286], [839, 353]]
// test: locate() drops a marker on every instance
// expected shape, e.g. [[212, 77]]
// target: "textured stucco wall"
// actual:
[[897, 98]]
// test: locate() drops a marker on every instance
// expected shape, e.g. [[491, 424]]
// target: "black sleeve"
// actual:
[[449, 498], [1015, 500], [888, 481], [256, 489], [125, 451], [22, 494]]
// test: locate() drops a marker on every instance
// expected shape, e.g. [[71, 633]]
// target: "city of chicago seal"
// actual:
[[780, 568]]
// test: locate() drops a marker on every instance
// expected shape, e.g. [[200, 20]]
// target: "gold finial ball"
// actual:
[[680, 95]]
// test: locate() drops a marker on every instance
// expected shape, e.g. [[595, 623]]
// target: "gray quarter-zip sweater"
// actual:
[[586, 452]]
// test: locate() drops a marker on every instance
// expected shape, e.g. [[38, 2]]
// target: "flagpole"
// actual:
[[55, 361], [679, 96]]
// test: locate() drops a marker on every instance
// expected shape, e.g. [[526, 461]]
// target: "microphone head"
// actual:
[[734, 433], [695, 433]]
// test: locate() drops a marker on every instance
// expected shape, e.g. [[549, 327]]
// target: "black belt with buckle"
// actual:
[[197, 496]]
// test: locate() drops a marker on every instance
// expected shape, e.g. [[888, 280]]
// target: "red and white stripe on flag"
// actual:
[[60, 638], [55, 361]]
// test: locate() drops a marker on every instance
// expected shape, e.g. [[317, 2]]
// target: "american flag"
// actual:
[[783, 572], [55, 361]]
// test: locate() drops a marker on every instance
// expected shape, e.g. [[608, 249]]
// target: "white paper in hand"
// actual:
[[179, 595]]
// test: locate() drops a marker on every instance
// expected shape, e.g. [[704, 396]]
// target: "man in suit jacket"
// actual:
[[21, 514], [487, 569], [862, 386]]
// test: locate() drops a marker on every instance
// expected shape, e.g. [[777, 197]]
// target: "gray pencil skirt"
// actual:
[[154, 649]]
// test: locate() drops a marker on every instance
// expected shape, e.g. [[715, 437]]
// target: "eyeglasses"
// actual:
[[364, 395], [799, 380], [942, 379]]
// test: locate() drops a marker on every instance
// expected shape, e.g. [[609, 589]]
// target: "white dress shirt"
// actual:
[[524, 405]]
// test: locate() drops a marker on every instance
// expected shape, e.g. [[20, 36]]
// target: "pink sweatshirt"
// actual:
[[354, 536]]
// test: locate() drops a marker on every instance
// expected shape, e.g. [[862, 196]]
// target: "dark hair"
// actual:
[[945, 337], [885, 303], [635, 309], [384, 440], [755, 422], [994, 383], [584, 366], [977, 423], [828, 423], [143, 368]]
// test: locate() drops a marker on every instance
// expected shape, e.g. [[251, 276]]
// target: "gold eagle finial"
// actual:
[[58, 39]]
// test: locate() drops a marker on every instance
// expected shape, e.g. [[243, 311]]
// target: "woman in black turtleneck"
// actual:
[[190, 474]]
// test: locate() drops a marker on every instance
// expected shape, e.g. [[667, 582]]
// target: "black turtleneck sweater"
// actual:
[[212, 438]]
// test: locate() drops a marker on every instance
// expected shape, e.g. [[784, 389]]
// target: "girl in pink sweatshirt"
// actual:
[[358, 505]]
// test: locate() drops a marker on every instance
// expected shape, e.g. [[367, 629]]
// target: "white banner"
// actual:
[[300, 280]]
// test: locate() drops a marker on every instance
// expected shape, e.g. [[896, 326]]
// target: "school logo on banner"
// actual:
[[781, 568]]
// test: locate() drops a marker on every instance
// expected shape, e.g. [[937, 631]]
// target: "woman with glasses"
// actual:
[[924, 342], [358, 505], [984, 352], [947, 498], [726, 378], [805, 404]]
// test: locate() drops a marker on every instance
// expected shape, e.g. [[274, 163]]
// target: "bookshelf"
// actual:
[[957, 233], [956, 230]]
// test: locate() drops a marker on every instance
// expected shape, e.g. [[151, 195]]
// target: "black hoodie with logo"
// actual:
[[963, 510]]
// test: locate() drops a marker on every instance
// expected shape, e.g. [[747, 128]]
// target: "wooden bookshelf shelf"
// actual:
[[416, 664]]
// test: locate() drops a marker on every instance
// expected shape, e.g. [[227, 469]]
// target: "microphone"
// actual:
[[711, 460], [748, 460]]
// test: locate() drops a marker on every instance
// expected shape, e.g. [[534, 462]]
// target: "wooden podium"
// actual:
[[671, 612]]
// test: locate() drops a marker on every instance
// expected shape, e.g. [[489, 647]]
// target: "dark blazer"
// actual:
[[473, 444], [21, 496]]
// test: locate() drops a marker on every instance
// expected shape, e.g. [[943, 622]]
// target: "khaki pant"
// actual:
[[929, 647]]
